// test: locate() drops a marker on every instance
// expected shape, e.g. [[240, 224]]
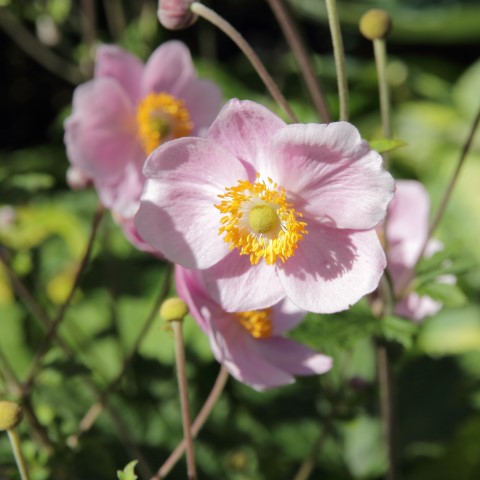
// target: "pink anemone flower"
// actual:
[[270, 210], [127, 111], [251, 345], [406, 232]]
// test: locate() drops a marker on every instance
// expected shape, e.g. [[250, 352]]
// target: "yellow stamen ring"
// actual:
[[259, 221], [161, 117], [257, 322]]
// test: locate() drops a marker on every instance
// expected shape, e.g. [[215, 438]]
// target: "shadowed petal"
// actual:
[[245, 129], [342, 181], [332, 269], [237, 285], [293, 357], [177, 213]]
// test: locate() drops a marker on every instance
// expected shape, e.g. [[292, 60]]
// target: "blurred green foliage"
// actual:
[[44, 229]]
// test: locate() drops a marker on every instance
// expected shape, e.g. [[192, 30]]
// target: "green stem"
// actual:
[[17, 452], [183, 388], [339, 55], [215, 19], [380, 52], [299, 51]]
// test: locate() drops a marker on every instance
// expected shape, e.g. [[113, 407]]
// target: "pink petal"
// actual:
[[100, 134], [293, 357], [286, 315], [342, 182], [407, 225], [177, 213], [332, 269], [122, 195], [168, 69], [125, 68], [245, 128], [203, 99], [416, 307], [239, 286], [239, 352], [190, 288]]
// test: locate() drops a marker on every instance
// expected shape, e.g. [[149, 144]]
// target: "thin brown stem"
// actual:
[[54, 325], [115, 18], [184, 403], [297, 46], [196, 425], [89, 20], [208, 14], [404, 283]]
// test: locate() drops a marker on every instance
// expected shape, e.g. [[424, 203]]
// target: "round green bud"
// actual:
[[10, 415], [173, 309], [375, 24]]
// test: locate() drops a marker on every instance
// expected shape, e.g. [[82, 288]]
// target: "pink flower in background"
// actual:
[[269, 210], [127, 111], [407, 231], [251, 345]]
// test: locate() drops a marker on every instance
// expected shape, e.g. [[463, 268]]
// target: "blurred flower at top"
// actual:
[[127, 111], [175, 14], [407, 231], [269, 210], [251, 345]]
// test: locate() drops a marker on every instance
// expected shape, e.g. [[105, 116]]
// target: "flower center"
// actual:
[[257, 322], [259, 221], [161, 117]]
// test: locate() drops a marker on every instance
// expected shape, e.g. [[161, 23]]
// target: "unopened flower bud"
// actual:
[[77, 179], [375, 24], [10, 415], [173, 309], [175, 14]]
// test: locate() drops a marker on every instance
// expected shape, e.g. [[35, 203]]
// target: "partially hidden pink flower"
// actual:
[[127, 111], [251, 345], [406, 233], [269, 210]]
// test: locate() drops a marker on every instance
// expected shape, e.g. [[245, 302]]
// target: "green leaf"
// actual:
[[383, 145], [448, 294], [399, 330], [128, 473]]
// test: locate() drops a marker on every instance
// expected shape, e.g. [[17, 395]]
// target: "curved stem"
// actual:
[[96, 409], [17, 452], [196, 425], [339, 55], [53, 327], [404, 283], [208, 14], [299, 51]]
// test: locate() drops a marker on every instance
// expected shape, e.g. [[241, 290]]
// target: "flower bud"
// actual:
[[375, 24], [10, 415], [77, 179], [175, 14], [173, 309]]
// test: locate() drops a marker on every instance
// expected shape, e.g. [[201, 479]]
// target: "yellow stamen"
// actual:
[[161, 117], [257, 322], [259, 221]]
